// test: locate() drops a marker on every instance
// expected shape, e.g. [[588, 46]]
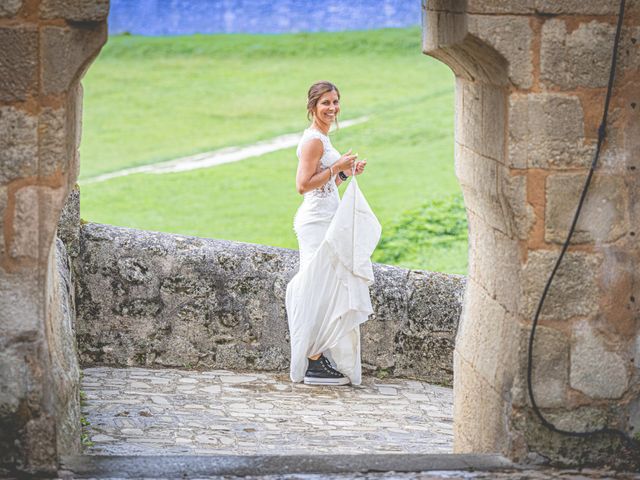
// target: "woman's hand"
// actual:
[[360, 167], [345, 162]]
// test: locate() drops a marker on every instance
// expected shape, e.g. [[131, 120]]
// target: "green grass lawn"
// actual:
[[150, 99]]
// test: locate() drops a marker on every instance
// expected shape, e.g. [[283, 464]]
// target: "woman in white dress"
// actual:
[[329, 297]]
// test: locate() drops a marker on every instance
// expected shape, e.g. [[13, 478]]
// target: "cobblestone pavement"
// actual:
[[136, 411]]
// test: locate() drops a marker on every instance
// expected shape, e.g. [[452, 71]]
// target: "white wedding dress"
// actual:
[[328, 298]]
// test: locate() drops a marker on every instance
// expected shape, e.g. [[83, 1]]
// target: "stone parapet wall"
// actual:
[[157, 299]]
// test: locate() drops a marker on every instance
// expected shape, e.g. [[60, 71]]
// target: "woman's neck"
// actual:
[[322, 127]]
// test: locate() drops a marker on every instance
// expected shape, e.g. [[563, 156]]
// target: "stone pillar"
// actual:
[[45, 47], [531, 78]]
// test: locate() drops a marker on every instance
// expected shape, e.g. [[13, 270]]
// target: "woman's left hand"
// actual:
[[360, 167]]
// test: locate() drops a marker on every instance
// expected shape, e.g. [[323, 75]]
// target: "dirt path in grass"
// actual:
[[216, 157]]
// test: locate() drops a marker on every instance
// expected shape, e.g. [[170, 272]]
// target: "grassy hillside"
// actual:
[[150, 99]]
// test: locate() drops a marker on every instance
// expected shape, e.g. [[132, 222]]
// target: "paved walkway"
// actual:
[[137, 411]]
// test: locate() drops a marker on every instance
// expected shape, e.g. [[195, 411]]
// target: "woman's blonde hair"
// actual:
[[315, 92]]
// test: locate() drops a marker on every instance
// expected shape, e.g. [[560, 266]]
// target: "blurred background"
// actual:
[[179, 78]]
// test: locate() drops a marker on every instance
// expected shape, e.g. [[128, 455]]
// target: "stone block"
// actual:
[[574, 291], [602, 218], [9, 8], [480, 119], [487, 338], [514, 188], [546, 130], [34, 207], [494, 262], [75, 10], [580, 58], [18, 144], [479, 413], [596, 370], [511, 37], [69, 223], [576, 7], [18, 62], [67, 52], [3, 206], [500, 6], [54, 141], [550, 374], [21, 303]]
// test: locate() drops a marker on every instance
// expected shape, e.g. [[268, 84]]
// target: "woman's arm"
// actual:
[[307, 177]]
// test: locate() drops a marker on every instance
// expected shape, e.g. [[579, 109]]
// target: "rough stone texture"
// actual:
[[550, 375], [66, 53], [575, 59], [33, 204], [18, 62], [574, 291], [511, 36], [64, 358], [8, 8], [602, 218], [595, 369], [75, 10], [148, 298], [546, 130], [3, 206], [18, 144], [53, 142], [69, 223]]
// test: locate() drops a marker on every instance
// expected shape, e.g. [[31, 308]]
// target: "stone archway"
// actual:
[[530, 84], [526, 115]]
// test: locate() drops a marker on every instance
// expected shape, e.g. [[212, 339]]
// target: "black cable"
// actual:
[[601, 136]]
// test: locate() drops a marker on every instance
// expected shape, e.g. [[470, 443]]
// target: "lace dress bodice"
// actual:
[[329, 156]]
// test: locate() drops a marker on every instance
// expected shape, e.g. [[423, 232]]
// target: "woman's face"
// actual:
[[328, 107]]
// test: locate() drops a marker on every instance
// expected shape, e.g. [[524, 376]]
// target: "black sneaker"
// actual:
[[320, 372]]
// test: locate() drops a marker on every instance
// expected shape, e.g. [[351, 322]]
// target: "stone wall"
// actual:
[[45, 47], [157, 299], [531, 78]]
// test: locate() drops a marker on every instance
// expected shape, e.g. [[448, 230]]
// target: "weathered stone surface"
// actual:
[[423, 345], [494, 262], [580, 58], [25, 223], [3, 206], [64, 356], [147, 298], [69, 223], [75, 10], [546, 130], [515, 199], [18, 144], [18, 62], [33, 203], [484, 324], [596, 370], [602, 218], [511, 37], [574, 291], [480, 118], [583, 7], [8, 8], [550, 375], [67, 52], [53, 142], [500, 6]]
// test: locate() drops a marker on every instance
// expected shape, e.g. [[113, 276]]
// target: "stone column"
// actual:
[[45, 47], [531, 78]]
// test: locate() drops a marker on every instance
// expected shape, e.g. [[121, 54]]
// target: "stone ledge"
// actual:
[[158, 299]]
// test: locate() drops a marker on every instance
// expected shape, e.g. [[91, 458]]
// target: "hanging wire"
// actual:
[[601, 136]]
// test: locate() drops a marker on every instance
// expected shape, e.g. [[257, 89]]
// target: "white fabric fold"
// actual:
[[328, 298]]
